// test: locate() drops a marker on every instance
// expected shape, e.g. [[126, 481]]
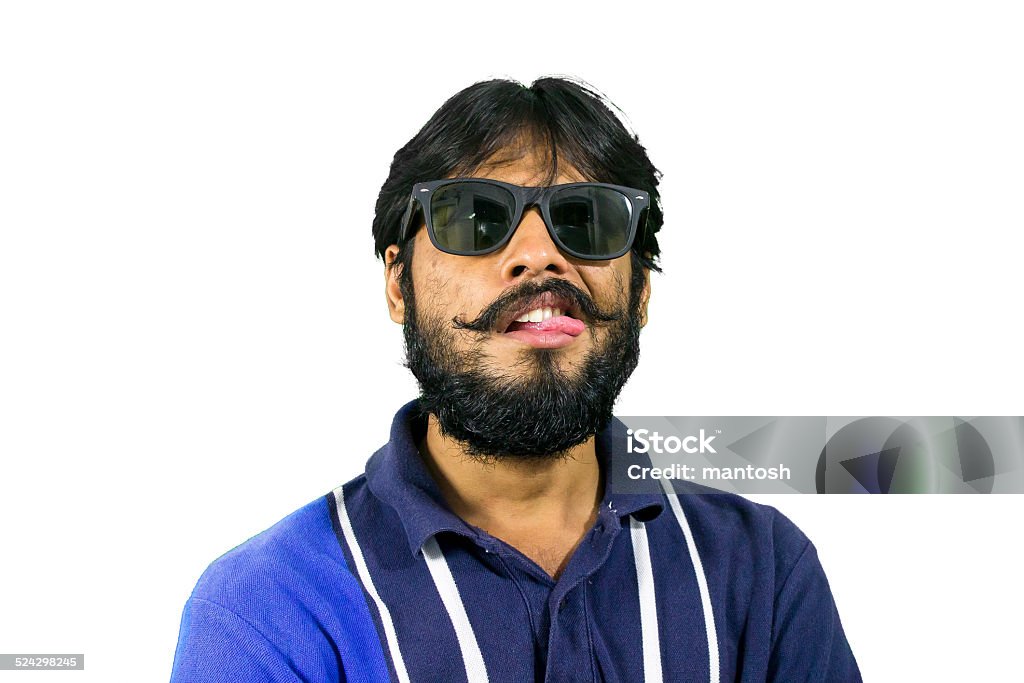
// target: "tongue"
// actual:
[[558, 323]]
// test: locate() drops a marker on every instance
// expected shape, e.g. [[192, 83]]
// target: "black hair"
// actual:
[[567, 119]]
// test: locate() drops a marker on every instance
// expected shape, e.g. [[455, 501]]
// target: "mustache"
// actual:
[[514, 297]]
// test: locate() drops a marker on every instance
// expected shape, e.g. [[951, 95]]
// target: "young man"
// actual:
[[485, 541]]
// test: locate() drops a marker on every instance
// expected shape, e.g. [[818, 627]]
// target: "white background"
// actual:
[[194, 335]]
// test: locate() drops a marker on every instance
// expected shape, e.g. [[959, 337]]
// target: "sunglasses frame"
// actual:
[[525, 197]]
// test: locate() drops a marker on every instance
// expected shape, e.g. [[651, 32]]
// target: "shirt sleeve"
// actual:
[[808, 642], [215, 644]]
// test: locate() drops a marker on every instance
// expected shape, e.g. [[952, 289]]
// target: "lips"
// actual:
[[538, 309], [559, 323], [545, 321]]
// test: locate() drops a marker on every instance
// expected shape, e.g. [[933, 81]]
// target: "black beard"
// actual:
[[541, 415]]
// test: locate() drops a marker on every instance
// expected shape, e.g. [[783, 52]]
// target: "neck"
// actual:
[[516, 499]]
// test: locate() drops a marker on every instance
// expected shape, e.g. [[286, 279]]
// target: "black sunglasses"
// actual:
[[475, 216]]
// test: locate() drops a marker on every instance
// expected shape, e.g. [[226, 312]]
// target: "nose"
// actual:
[[531, 251]]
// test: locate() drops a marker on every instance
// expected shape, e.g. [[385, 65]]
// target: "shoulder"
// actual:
[[284, 599], [296, 561], [282, 553], [733, 514], [730, 529]]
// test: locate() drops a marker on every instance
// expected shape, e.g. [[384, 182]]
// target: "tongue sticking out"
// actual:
[[558, 323]]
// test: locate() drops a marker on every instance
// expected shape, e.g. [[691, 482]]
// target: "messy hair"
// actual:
[[499, 121]]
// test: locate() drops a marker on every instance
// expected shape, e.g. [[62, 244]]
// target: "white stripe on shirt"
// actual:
[[364, 576], [472, 658], [648, 603]]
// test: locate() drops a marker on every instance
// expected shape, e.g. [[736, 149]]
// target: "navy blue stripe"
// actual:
[[614, 596], [426, 637], [679, 608], [505, 592]]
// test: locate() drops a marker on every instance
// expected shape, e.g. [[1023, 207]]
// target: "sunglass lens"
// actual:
[[471, 218], [592, 221]]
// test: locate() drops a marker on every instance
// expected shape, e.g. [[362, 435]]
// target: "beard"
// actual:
[[540, 413]]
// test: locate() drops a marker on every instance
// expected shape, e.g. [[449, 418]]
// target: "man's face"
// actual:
[[505, 387]]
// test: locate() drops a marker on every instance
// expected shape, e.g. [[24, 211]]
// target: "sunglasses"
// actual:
[[475, 216]]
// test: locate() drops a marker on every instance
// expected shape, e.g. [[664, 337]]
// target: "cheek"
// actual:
[[442, 290], [608, 284]]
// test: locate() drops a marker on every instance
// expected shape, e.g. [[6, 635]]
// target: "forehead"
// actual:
[[529, 167]]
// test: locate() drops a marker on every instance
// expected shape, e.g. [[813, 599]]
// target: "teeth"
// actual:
[[539, 315]]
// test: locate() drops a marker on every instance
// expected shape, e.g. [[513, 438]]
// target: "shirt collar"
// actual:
[[397, 475]]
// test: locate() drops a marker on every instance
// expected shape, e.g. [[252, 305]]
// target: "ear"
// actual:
[[392, 290], [645, 297]]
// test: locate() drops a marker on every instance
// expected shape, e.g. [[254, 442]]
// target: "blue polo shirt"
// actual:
[[380, 581]]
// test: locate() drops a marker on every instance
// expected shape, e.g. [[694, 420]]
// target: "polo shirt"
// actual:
[[379, 581]]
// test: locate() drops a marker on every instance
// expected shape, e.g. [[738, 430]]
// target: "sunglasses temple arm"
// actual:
[[641, 228], [403, 227]]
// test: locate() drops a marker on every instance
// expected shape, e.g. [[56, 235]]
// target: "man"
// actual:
[[485, 541]]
